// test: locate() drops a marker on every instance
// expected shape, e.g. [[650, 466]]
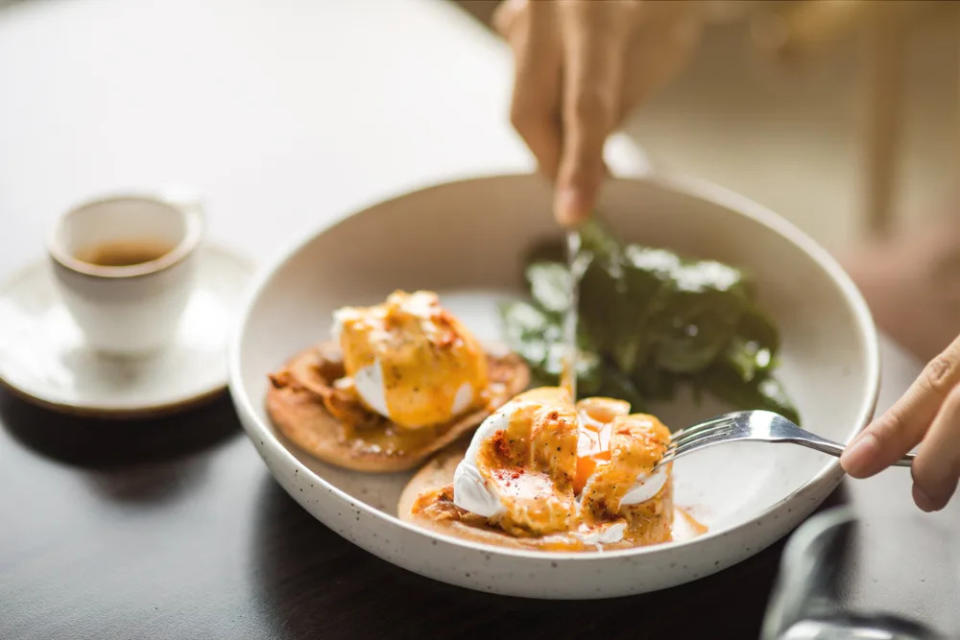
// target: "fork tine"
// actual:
[[701, 426], [698, 438], [696, 445], [720, 435], [699, 431]]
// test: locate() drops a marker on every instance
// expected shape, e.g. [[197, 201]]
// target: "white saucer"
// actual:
[[44, 359]]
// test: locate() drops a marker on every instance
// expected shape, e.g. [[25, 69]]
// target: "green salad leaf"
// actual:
[[650, 321]]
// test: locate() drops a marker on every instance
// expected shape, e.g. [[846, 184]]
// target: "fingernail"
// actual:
[[923, 500], [857, 456], [568, 206]]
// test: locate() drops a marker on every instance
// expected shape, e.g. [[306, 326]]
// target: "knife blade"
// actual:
[[576, 265]]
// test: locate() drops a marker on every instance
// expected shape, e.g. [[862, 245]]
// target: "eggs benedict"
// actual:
[[398, 381], [547, 473]]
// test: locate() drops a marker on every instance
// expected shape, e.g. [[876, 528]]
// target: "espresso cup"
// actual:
[[124, 267]]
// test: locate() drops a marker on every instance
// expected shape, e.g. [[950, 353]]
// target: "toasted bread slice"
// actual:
[[427, 500], [435, 474], [302, 396]]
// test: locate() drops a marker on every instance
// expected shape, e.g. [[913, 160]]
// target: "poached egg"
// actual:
[[410, 360], [542, 464]]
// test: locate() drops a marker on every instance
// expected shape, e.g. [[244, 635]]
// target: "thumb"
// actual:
[[904, 424]]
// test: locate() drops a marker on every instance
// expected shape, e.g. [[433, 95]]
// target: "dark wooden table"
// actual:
[[173, 528]]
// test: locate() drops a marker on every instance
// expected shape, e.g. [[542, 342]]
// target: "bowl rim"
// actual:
[[677, 183]]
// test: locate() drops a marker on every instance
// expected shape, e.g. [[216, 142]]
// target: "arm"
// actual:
[[580, 67]]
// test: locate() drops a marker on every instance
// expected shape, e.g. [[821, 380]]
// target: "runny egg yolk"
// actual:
[[411, 360], [594, 429], [542, 464]]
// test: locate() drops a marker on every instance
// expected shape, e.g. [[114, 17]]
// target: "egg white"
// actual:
[[471, 492], [369, 384]]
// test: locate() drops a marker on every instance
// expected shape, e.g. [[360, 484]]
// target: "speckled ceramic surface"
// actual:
[[467, 240], [45, 359]]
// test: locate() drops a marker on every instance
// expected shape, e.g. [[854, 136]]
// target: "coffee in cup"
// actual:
[[124, 266]]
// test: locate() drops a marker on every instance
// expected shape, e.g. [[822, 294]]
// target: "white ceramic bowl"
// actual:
[[466, 239]]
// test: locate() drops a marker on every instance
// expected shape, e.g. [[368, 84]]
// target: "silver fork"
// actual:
[[757, 426]]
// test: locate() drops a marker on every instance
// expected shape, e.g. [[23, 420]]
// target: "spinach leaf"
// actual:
[[654, 383], [549, 285], [616, 384], [764, 392], [649, 321], [751, 352], [699, 316], [528, 331], [596, 238], [600, 293], [546, 250], [646, 284], [536, 336]]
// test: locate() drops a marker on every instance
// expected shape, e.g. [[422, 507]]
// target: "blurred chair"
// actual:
[[795, 32]]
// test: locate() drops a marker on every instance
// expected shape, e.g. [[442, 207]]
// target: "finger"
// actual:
[[594, 48], [530, 29], [937, 465], [507, 13], [902, 426]]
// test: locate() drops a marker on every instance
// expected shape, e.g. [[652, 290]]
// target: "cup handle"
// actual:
[[186, 199]]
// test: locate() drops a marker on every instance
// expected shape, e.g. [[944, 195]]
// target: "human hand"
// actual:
[[580, 67], [928, 414]]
